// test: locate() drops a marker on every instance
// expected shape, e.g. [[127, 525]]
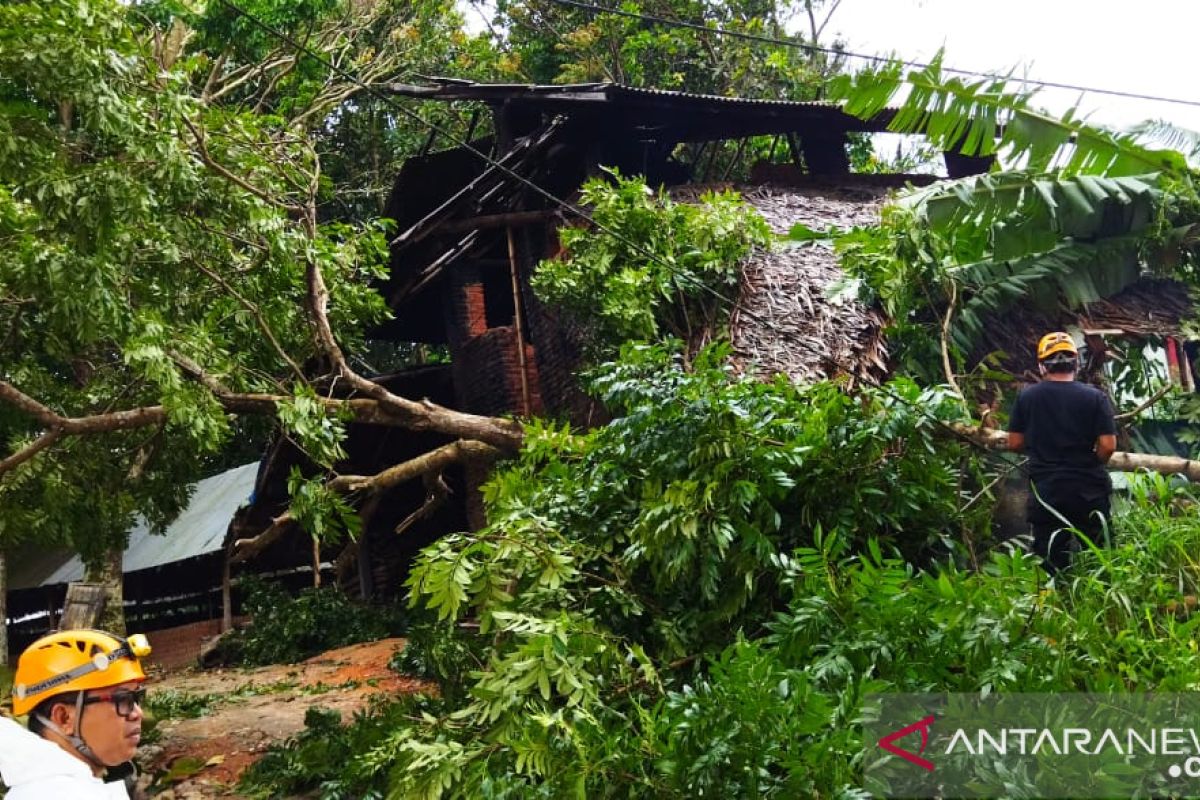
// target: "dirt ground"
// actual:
[[201, 758]]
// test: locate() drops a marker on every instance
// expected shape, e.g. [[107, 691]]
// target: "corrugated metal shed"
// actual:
[[199, 529]]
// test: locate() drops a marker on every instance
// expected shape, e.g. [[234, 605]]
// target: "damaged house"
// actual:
[[469, 235]]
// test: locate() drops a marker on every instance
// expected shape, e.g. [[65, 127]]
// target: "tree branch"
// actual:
[[420, 416], [217, 68], [1120, 461], [30, 450], [246, 549], [211, 163], [75, 426], [504, 434], [433, 462], [1154, 398], [946, 344], [288, 62], [256, 312], [436, 494]]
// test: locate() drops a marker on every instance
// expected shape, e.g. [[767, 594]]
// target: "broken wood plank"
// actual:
[[512, 218]]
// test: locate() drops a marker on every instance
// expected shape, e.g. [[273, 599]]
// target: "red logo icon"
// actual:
[[923, 726]]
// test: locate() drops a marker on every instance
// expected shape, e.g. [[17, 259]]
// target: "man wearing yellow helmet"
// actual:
[[82, 691], [1068, 431]]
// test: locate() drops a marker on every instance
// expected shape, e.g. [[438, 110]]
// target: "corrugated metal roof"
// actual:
[[623, 89], [453, 89], [199, 529]]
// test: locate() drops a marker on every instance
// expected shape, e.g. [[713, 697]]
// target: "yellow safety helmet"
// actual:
[[71, 661], [1057, 342]]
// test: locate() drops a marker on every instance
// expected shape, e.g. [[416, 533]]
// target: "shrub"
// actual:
[[328, 756], [285, 629], [174, 704]]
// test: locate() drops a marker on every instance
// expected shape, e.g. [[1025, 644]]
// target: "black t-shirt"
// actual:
[[1061, 421]]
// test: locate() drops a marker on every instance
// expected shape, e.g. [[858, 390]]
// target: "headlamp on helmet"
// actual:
[[73, 661]]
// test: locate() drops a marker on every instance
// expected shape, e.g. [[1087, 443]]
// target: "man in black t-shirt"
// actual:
[[1068, 431]]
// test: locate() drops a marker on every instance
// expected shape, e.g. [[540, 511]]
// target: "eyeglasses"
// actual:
[[123, 700]]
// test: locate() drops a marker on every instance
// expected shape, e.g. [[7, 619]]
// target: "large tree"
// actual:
[[664, 44], [167, 269]]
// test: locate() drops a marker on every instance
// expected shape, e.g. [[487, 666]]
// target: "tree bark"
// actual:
[[380, 407], [1121, 461], [3, 611], [433, 462], [110, 574]]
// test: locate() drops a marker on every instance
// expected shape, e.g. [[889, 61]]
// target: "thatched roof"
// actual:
[[786, 319], [1149, 308], [790, 319]]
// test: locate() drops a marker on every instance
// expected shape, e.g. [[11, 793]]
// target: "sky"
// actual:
[[1140, 46], [1144, 47]]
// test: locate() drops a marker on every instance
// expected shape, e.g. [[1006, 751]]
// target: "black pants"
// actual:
[[1085, 510]]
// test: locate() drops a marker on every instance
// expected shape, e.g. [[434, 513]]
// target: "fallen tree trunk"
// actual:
[[1120, 461], [433, 462]]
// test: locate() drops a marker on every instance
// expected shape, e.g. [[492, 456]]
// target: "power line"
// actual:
[[812, 48]]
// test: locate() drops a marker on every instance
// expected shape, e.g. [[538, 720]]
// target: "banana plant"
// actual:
[[1073, 213]]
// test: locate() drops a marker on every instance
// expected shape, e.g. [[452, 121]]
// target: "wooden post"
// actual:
[[518, 322], [226, 596], [85, 606], [366, 582], [3, 611], [51, 610], [316, 562]]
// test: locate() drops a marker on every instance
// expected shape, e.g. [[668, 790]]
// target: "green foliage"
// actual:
[[133, 261], [676, 277], [323, 513], [440, 653], [286, 629], [651, 541], [334, 758], [747, 728], [175, 704], [363, 140], [986, 117], [306, 418], [547, 42], [1081, 213], [777, 715]]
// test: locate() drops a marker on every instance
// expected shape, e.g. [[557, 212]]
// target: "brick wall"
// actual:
[[487, 374], [487, 378], [177, 647], [466, 305], [558, 342], [558, 362]]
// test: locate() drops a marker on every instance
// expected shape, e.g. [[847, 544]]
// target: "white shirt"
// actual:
[[36, 769]]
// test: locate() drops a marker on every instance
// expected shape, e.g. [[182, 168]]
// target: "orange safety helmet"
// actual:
[[1057, 342], [71, 661]]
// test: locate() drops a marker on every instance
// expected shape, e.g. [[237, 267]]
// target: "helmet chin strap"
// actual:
[[76, 739]]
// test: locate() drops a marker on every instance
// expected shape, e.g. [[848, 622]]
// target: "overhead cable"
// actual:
[[832, 51]]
